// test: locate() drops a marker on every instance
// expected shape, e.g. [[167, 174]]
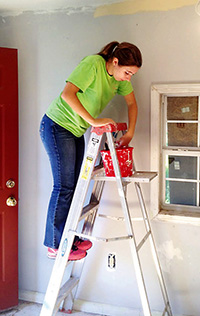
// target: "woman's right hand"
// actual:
[[102, 122]]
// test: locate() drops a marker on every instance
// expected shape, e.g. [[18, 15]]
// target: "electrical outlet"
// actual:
[[112, 261]]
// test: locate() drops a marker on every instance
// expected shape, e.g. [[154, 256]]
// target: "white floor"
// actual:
[[32, 309]]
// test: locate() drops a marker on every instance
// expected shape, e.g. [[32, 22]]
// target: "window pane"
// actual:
[[182, 134], [182, 108], [183, 193], [181, 167]]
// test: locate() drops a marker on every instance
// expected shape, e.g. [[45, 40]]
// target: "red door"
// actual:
[[8, 178]]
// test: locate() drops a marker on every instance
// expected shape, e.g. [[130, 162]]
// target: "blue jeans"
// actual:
[[65, 152]]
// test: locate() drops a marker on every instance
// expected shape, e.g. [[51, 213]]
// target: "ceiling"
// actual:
[[19, 6]]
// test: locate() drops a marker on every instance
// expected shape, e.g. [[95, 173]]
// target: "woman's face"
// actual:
[[122, 73]]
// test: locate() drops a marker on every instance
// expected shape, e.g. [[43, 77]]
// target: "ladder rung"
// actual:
[[66, 290], [88, 209], [143, 240], [98, 170], [119, 218], [98, 167], [114, 238]]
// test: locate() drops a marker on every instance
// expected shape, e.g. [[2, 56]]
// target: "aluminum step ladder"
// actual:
[[57, 292]]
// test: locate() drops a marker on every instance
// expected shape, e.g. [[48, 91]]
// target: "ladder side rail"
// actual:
[[83, 181], [136, 259], [71, 223], [120, 187], [88, 229], [153, 248]]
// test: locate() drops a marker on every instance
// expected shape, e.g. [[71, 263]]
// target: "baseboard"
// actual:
[[106, 309], [31, 296], [85, 306], [89, 307]]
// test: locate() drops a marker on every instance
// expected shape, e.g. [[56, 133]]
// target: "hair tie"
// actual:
[[114, 48]]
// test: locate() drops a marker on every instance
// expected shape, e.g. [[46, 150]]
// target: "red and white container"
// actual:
[[125, 160]]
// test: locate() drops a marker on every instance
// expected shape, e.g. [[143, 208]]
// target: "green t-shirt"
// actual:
[[96, 89]]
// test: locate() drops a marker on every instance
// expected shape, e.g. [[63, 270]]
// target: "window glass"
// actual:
[[182, 134], [182, 193], [181, 167], [182, 108]]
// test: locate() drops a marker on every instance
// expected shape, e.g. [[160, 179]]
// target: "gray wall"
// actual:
[[50, 46]]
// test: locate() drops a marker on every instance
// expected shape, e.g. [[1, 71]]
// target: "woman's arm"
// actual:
[[132, 118], [69, 96]]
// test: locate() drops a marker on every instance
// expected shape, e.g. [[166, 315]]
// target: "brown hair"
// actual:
[[126, 53]]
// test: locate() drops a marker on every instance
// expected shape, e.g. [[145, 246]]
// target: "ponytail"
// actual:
[[126, 53], [107, 51]]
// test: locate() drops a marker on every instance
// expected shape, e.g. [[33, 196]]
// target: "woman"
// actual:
[[88, 90]]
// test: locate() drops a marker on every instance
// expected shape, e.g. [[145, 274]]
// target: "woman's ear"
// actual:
[[115, 61]]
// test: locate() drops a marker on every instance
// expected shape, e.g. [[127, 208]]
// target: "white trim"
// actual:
[[177, 89], [178, 217], [155, 146], [106, 309]]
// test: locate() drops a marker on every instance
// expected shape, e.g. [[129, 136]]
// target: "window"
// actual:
[[175, 148]]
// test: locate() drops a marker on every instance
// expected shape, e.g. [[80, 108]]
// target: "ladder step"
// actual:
[[88, 209], [66, 290], [81, 235], [137, 176]]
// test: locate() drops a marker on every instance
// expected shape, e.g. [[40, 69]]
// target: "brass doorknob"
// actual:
[[10, 184], [11, 201]]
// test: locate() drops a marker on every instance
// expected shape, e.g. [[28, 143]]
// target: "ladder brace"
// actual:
[[143, 240], [99, 238]]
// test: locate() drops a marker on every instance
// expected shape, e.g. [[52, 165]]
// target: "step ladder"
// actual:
[[57, 292]]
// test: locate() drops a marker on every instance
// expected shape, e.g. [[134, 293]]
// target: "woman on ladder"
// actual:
[[89, 88]]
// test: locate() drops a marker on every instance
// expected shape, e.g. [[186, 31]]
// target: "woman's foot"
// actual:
[[82, 244], [75, 253]]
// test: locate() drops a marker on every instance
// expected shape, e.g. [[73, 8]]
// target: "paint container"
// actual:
[[125, 160]]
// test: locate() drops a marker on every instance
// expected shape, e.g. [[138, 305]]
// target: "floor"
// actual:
[[32, 309]]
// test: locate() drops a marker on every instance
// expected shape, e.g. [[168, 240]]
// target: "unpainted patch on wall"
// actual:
[[134, 6], [167, 253]]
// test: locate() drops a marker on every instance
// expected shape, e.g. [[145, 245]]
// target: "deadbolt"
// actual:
[[11, 201], [10, 184]]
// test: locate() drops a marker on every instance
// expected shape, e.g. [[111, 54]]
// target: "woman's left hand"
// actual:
[[124, 140]]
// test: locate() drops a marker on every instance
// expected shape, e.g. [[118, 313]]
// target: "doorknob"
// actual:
[[11, 201], [10, 184]]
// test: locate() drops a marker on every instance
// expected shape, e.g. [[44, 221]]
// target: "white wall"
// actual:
[[50, 46]]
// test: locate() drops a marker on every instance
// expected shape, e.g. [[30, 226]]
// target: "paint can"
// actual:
[[125, 160]]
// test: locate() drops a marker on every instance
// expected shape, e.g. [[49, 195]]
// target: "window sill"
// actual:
[[178, 217]]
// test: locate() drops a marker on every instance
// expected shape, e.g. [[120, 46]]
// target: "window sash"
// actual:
[[178, 151]]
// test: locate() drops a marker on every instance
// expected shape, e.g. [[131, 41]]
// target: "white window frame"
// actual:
[[158, 94]]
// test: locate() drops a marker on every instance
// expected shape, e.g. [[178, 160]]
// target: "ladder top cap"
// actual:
[[109, 128]]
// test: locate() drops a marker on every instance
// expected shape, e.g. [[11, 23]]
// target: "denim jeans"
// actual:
[[65, 152]]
